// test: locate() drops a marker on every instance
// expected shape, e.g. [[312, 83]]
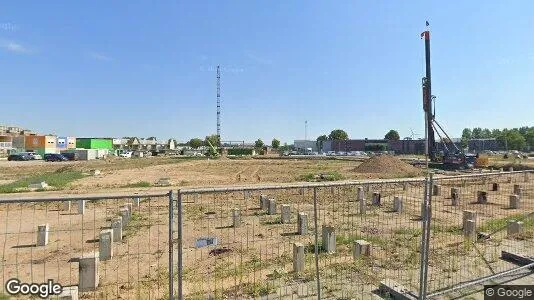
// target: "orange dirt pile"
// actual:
[[387, 164]]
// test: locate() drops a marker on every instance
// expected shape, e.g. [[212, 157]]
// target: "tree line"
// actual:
[[512, 139], [213, 139]]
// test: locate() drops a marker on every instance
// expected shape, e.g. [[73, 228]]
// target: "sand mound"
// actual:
[[386, 164]]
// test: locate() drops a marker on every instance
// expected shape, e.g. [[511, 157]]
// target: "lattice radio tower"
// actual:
[[218, 105]]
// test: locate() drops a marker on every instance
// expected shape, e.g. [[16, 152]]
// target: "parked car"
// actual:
[[126, 154], [54, 157], [32, 155], [70, 155], [18, 157]]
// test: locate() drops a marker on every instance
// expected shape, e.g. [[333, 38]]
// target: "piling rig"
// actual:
[[451, 157]]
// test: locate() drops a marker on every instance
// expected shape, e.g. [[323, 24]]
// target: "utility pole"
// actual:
[[218, 107], [306, 130]]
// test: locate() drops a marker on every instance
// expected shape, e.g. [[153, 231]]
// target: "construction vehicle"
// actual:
[[451, 157]]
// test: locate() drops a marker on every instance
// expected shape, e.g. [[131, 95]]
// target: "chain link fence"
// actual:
[[97, 247]]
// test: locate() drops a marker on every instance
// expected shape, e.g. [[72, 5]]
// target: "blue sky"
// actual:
[[147, 68]]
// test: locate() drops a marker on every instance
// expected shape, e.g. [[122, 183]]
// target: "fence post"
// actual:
[[171, 248], [425, 237], [315, 217], [180, 244]]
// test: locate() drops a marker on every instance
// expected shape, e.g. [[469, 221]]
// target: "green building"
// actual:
[[94, 143]]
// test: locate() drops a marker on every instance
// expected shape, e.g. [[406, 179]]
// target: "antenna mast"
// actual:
[[218, 106]]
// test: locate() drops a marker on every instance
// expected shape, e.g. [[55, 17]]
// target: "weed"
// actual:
[[494, 225], [446, 229], [139, 184], [137, 222], [329, 176], [409, 231], [58, 180]]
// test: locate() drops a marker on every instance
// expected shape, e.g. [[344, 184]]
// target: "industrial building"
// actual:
[[40, 144], [94, 143]]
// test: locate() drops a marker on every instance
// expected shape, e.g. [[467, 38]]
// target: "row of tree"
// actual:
[[213, 139], [511, 139]]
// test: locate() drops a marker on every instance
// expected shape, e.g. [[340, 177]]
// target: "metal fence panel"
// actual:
[[43, 239], [470, 227]]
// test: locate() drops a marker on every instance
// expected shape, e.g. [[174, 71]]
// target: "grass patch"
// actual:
[[494, 225], [446, 229], [373, 239], [328, 176], [409, 231], [137, 221], [4, 297], [139, 184], [58, 180]]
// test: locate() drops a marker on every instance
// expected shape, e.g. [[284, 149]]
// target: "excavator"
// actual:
[[451, 157]]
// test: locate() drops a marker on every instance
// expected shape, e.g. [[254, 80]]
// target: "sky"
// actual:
[[148, 68]]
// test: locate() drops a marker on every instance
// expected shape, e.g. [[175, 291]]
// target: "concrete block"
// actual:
[[515, 202], [136, 202], [298, 257], [455, 196], [363, 206], [42, 234], [482, 197], [286, 214], [236, 217], [68, 293], [125, 215], [404, 186], [397, 204], [525, 177], [261, 201], [67, 205], [376, 198], [360, 194], [436, 190], [88, 275], [495, 187], [116, 226], [501, 170], [39, 185], [265, 203], [393, 290], [81, 207], [129, 206], [361, 248], [105, 244], [517, 190], [302, 223], [272, 207], [470, 231], [511, 169], [514, 228], [468, 215], [329, 239]]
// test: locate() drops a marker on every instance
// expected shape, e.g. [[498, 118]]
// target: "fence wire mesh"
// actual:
[[106, 248], [473, 220]]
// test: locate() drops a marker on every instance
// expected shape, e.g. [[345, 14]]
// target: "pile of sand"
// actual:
[[387, 164]]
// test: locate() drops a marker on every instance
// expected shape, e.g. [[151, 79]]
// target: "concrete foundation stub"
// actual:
[[517, 189], [88, 278], [360, 194], [106, 244], [329, 239], [263, 202], [136, 202], [514, 202], [470, 230], [495, 187], [81, 207], [436, 190], [68, 293], [525, 178], [125, 215], [302, 223], [361, 248], [482, 197], [67, 205], [236, 217], [468, 215], [397, 204], [42, 234], [511, 169], [272, 207], [376, 198], [116, 226], [514, 228], [286, 214], [298, 257], [129, 206]]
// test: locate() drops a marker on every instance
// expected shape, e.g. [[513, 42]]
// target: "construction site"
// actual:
[[228, 225]]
